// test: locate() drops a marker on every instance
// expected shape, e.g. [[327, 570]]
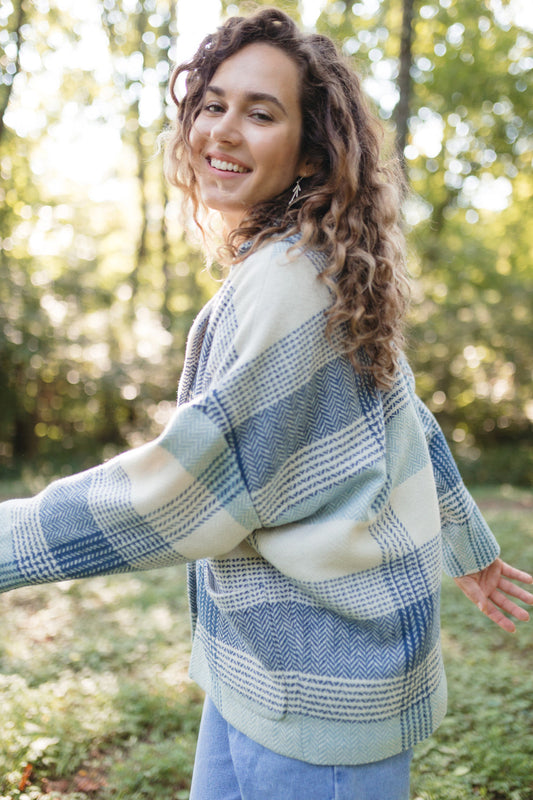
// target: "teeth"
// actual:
[[226, 166]]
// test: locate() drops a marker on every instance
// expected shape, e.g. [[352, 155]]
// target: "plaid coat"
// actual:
[[315, 514]]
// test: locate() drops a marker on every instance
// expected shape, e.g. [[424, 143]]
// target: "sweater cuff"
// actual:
[[468, 543]]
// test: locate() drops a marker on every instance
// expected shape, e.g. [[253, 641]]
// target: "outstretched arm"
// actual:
[[491, 590]]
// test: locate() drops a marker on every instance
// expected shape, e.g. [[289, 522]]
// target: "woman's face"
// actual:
[[246, 139]]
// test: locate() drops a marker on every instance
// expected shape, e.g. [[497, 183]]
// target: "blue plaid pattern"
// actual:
[[314, 512]]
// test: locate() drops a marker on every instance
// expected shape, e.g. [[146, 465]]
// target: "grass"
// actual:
[[484, 749], [95, 694]]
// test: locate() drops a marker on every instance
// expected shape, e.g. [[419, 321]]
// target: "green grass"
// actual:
[[484, 748], [95, 694]]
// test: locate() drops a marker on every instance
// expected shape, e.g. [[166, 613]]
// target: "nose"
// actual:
[[226, 128]]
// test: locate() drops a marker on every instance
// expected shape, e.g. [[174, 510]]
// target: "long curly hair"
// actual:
[[348, 208]]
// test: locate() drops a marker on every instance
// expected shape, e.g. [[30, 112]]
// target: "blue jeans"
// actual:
[[230, 766]]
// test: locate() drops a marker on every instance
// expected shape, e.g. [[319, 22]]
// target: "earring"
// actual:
[[296, 191]]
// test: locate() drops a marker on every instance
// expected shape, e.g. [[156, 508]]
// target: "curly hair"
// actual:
[[348, 208]]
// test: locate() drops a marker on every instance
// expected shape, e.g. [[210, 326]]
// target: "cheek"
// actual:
[[283, 161], [195, 139], [198, 135], [195, 158]]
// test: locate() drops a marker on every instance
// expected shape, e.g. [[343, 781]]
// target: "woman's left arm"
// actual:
[[492, 590]]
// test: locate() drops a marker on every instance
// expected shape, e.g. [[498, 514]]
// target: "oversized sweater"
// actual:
[[316, 514]]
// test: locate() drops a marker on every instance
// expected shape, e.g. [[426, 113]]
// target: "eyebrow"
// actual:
[[253, 97]]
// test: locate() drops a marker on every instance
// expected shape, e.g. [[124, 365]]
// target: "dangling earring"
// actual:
[[296, 191]]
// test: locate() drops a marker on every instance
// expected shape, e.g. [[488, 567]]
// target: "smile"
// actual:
[[226, 166]]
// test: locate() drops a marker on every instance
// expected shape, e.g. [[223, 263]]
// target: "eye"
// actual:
[[261, 116], [214, 107]]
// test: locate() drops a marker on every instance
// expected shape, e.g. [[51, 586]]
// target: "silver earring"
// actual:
[[296, 191]]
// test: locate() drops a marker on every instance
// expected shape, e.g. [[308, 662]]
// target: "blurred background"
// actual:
[[99, 283]]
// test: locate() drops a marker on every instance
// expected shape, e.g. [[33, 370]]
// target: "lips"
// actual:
[[224, 165]]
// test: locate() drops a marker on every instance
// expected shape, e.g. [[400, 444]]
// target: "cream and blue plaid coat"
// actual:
[[315, 513]]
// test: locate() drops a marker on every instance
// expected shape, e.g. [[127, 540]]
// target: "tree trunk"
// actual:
[[404, 79], [141, 24], [8, 88]]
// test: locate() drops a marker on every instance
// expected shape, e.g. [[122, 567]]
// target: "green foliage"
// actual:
[[99, 285], [468, 163], [512, 460]]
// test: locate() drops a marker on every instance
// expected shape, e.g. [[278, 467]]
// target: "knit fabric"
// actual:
[[316, 514]]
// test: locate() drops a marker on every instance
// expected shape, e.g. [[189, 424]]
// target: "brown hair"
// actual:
[[348, 208]]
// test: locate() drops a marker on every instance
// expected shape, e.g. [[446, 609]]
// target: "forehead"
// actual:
[[260, 67]]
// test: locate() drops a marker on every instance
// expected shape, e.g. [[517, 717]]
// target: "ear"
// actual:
[[306, 167]]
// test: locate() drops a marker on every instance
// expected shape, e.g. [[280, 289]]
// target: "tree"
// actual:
[[404, 78], [453, 76], [98, 286], [10, 60], [97, 292]]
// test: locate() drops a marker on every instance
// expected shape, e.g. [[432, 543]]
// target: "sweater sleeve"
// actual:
[[468, 543]]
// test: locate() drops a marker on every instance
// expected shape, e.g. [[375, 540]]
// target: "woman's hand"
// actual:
[[491, 590]]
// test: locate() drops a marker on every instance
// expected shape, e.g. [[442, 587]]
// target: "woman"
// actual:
[[310, 490]]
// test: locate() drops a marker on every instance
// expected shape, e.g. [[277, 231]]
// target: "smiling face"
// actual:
[[246, 139]]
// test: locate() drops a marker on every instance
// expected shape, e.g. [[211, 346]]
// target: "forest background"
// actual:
[[98, 287], [99, 283]]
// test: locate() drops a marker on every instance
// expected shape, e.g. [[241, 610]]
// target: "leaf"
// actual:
[[26, 775], [86, 781]]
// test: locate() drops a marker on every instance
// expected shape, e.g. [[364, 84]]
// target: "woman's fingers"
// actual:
[[516, 574], [516, 591], [507, 605], [494, 614]]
